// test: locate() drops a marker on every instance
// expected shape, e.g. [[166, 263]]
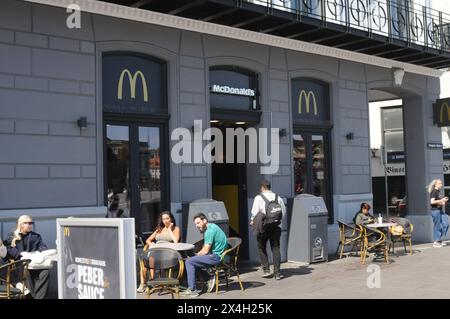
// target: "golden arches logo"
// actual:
[[308, 96], [66, 232], [441, 112], [132, 80]]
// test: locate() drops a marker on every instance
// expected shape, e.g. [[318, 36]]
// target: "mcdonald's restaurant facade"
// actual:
[[87, 115]]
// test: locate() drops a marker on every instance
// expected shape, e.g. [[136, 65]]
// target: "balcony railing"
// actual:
[[404, 21]]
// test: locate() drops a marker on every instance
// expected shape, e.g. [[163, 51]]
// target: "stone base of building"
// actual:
[[423, 228]]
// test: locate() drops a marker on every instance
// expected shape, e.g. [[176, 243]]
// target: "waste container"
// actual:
[[308, 234], [214, 210]]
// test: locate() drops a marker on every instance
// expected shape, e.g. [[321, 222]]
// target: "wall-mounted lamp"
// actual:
[[82, 122], [397, 76], [282, 132], [350, 136]]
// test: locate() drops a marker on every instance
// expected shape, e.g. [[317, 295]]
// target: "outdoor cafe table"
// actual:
[[382, 225], [176, 246]]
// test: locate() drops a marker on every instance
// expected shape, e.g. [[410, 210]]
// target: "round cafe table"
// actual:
[[175, 246], [183, 248], [382, 225]]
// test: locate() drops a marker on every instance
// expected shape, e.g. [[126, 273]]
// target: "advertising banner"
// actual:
[[95, 256]]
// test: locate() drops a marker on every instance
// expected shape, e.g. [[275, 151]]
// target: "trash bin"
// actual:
[[214, 210], [308, 235]]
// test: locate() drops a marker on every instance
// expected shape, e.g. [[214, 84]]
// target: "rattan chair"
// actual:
[[374, 239], [406, 236], [168, 266], [349, 235], [11, 274], [228, 265]]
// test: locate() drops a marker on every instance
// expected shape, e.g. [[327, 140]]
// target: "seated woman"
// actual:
[[166, 231], [24, 239], [363, 217]]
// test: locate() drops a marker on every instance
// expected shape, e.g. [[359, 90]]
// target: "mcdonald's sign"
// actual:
[[308, 97], [441, 112], [133, 83], [66, 232], [132, 80], [310, 101]]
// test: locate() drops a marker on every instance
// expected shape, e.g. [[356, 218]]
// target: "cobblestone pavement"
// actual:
[[425, 274]]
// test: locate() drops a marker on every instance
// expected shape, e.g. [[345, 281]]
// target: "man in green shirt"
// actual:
[[215, 243]]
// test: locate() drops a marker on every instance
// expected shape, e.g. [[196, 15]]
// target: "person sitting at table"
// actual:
[[166, 231], [24, 239], [362, 217], [215, 242]]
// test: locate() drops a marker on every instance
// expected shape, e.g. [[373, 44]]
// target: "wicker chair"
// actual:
[[228, 265], [406, 236], [349, 235], [374, 239], [11, 274]]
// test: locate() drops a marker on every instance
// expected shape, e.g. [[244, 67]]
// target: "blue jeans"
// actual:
[[440, 222], [195, 262]]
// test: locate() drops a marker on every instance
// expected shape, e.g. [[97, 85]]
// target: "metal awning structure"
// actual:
[[398, 30]]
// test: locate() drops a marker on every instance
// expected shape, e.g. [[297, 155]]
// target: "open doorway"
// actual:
[[229, 185]]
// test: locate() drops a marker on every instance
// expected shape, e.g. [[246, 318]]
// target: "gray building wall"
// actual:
[[47, 81], [51, 75]]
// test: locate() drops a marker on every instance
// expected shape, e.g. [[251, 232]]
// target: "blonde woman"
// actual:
[[24, 239], [440, 219]]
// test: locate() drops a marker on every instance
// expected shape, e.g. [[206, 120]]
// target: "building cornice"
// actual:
[[151, 17]]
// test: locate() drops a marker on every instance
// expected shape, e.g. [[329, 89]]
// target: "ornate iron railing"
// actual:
[[395, 19]]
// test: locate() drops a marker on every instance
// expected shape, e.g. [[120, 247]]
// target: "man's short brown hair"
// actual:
[[201, 216], [265, 183]]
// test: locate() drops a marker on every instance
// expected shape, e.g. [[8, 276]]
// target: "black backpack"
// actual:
[[274, 212]]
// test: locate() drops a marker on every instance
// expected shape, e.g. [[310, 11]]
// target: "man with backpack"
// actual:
[[267, 212]]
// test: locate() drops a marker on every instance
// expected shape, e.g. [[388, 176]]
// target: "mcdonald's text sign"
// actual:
[[133, 84], [441, 112]]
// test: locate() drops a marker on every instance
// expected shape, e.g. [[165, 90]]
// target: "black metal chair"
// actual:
[[11, 274], [168, 267]]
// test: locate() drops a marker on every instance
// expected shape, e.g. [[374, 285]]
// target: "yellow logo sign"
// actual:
[[132, 80], [441, 113], [66, 232], [308, 96]]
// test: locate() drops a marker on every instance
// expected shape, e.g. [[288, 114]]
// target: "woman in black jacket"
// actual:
[[24, 239]]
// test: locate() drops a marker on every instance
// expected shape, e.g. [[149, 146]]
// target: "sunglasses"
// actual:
[[29, 223]]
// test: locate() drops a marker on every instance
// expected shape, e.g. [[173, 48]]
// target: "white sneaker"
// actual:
[[22, 288], [141, 288], [443, 243], [437, 245], [211, 285]]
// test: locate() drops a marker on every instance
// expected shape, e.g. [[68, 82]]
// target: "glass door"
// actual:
[[134, 173], [312, 174], [118, 170], [149, 184]]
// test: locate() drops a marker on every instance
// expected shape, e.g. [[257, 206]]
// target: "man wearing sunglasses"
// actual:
[[24, 239]]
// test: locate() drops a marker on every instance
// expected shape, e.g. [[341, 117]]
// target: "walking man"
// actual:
[[215, 242], [266, 227]]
